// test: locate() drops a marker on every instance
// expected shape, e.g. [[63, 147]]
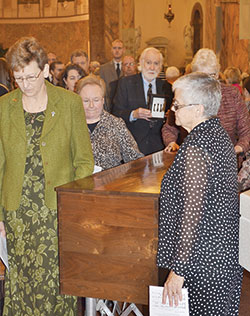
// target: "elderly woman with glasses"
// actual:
[[112, 143], [199, 209], [44, 143]]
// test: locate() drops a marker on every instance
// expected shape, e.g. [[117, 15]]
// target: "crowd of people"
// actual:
[[58, 121]]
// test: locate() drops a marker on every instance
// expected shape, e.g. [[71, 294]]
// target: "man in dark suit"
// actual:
[[129, 68], [131, 101]]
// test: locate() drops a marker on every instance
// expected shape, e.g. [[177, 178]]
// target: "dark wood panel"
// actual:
[[108, 231], [125, 210]]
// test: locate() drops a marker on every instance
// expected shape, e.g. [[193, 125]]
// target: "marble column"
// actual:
[[96, 30], [104, 28], [234, 52], [109, 20]]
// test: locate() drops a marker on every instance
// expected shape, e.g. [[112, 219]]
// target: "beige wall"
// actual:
[[149, 15]]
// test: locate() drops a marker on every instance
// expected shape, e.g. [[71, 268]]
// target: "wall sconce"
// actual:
[[170, 15]]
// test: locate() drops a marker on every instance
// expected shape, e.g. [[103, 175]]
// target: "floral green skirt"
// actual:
[[32, 285]]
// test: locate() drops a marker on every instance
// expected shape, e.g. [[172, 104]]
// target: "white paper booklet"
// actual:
[[156, 308], [3, 251]]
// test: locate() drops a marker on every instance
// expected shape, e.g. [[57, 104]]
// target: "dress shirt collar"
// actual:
[[115, 63]]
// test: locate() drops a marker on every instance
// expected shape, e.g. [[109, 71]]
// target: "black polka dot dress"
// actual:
[[199, 221]]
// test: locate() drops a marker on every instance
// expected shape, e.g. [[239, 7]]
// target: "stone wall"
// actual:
[[61, 38]]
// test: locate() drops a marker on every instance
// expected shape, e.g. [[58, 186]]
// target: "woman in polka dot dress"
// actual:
[[199, 210]]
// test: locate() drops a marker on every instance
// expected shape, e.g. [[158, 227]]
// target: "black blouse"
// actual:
[[199, 215]]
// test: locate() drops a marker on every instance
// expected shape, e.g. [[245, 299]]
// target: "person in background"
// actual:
[[70, 75], [112, 143], [172, 73], [112, 70], [44, 143], [131, 101], [129, 68], [6, 81], [246, 92], [232, 113], [233, 77], [188, 69], [199, 206], [51, 57], [94, 67], [55, 69], [182, 71], [80, 58]]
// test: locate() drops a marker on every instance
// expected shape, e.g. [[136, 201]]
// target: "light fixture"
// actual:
[[170, 15]]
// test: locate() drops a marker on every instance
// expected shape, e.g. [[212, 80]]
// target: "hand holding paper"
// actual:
[[172, 289], [159, 309]]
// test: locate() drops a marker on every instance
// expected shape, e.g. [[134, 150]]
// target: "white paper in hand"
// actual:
[[156, 308], [3, 251]]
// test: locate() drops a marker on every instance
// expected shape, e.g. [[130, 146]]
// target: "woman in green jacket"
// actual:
[[44, 143]]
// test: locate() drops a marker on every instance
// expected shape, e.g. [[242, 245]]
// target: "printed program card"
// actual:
[[3, 251], [156, 308]]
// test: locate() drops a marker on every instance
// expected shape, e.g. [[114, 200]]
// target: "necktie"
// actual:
[[118, 70], [149, 93]]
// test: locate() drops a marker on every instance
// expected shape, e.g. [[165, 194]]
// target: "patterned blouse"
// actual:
[[199, 221], [199, 216], [112, 142]]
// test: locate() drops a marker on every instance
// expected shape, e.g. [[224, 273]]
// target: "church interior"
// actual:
[[178, 28], [63, 26]]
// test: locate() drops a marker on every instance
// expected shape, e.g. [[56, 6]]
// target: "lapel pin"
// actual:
[[53, 113]]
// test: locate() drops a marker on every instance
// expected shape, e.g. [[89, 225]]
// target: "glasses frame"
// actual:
[[28, 78], [177, 106]]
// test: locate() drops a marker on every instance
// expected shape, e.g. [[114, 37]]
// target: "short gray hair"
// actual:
[[200, 88], [205, 61], [146, 50], [172, 72]]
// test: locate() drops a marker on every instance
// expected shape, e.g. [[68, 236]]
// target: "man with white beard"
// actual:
[[131, 101]]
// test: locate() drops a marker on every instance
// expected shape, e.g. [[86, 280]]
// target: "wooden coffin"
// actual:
[[108, 228]]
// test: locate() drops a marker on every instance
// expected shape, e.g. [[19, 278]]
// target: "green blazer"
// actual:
[[65, 145]]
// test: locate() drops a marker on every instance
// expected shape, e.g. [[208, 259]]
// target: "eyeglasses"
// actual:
[[129, 64], [176, 105], [95, 101], [28, 78]]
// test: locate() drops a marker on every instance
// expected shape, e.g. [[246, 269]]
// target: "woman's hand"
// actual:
[[2, 229], [172, 147], [238, 149], [172, 289]]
